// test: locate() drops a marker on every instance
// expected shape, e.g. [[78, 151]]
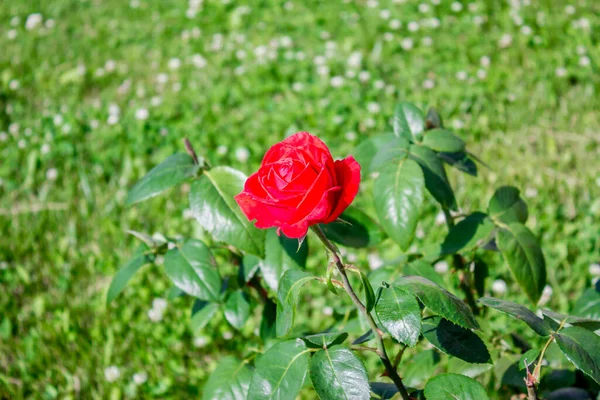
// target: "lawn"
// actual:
[[93, 93]]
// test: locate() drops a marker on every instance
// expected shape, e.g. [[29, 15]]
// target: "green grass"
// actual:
[[63, 239]]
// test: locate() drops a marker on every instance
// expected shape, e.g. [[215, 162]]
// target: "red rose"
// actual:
[[298, 185]]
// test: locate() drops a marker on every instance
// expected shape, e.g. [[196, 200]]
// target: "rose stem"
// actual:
[[392, 373], [459, 264]]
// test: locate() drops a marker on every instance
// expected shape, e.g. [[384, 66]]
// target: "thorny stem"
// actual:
[[391, 371], [458, 261], [532, 379]]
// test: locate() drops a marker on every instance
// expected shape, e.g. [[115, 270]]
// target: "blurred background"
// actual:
[[93, 93]]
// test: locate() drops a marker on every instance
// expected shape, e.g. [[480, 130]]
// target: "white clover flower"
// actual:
[[375, 261], [385, 14], [297, 86], [94, 124], [379, 84], [112, 373], [240, 70], [112, 119], [328, 311], [319, 60], [473, 7], [461, 75], [22, 144], [142, 114], [505, 41], [434, 23], [373, 107], [364, 76], [3, 136], [420, 233], [52, 174], [350, 136], [355, 59], [260, 51], [288, 5], [481, 74], [458, 124], [14, 84], [531, 192], [11, 34], [395, 24], [584, 61], [200, 341], [14, 128], [337, 119], [388, 36], [499, 287], [50, 23], [372, 3], [45, 149], [581, 50], [594, 269], [140, 378], [227, 335], [560, 72], [546, 295], [323, 70], [413, 26], [350, 74], [441, 267], [478, 20], [440, 218], [485, 61], [570, 9], [174, 63], [427, 41], [456, 6], [369, 123], [134, 4], [242, 154], [300, 56], [33, 20], [155, 315], [424, 8], [14, 21], [526, 30], [159, 304], [222, 150], [198, 61], [428, 84], [337, 81], [407, 43]]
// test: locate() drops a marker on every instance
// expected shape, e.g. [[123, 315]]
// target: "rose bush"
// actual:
[[298, 185], [414, 331]]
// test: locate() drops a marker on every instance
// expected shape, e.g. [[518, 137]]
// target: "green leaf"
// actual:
[[472, 232], [582, 348], [124, 274], [424, 269], [322, 340], [356, 229], [280, 372], [229, 381], [202, 313], [454, 387], [369, 293], [455, 340], [436, 180], [420, 367], [384, 390], [213, 205], [408, 121], [365, 337], [287, 295], [588, 323], [365, 152], [518, 311], [461, 161], [443, 140], [192, 269], [390, 154], [281, 254], [439, 300], [250, 265], [588, 305], [174, 170], [237, 309], [268, 321], [528, 359], [522, 251], [433, 119], [480, 273], [507, 206], [336, 373], [398, 192], [399, 314]]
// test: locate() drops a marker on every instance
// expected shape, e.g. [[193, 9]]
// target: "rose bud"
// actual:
[[298, 185]]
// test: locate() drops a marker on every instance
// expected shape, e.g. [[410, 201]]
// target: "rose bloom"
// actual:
[[298, 185]]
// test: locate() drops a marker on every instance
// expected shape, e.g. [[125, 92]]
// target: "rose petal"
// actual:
[[316, 216], [348, 177], [266, 214]]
